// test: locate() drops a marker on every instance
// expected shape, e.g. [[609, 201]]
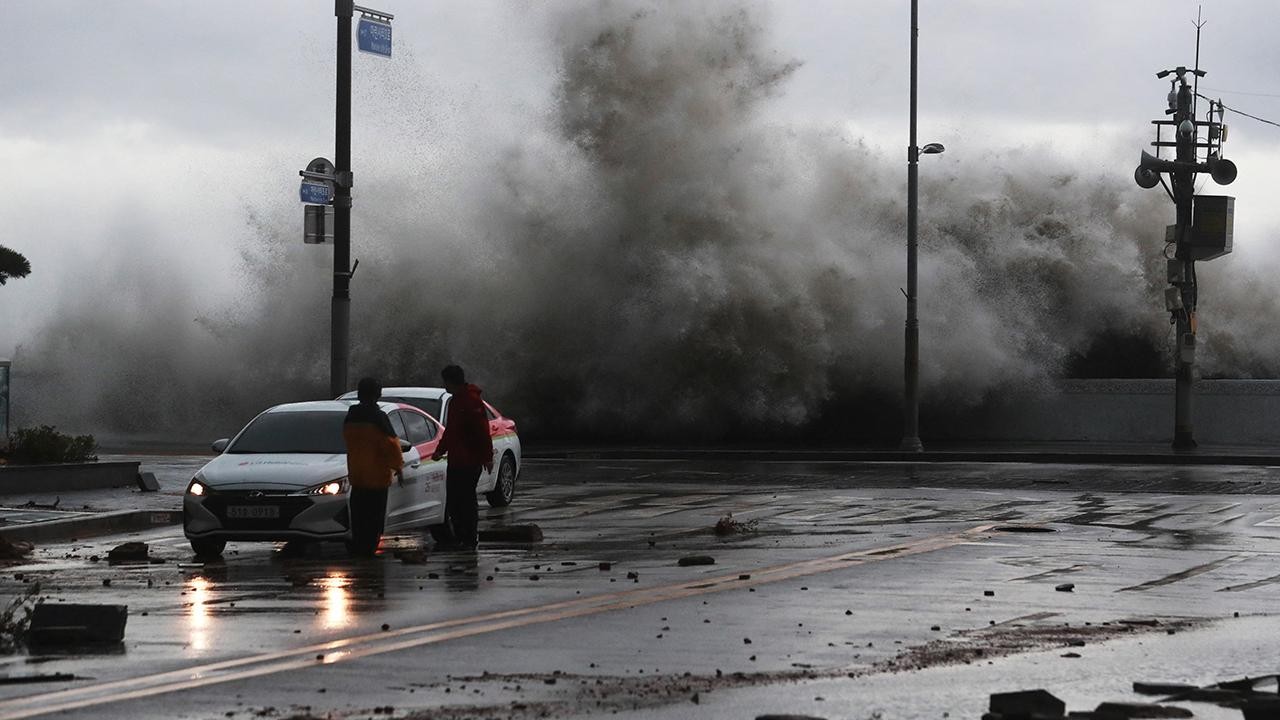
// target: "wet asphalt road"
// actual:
[[825, 602]]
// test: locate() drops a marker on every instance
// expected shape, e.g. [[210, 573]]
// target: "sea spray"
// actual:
[[645, 257]]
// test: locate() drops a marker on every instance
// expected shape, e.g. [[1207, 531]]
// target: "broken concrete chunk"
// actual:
[[1140, 710], [1261, 708], [512, 534], [147, 482], [1026, 703], [1155, 688], [14, 550], [67, 624], [130, 552], [697, 560], [412, 557]]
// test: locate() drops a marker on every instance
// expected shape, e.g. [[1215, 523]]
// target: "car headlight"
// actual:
[[197, 488], [333, 487]]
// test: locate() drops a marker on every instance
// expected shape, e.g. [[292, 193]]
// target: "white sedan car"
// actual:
[[498, 486], [284, 477]]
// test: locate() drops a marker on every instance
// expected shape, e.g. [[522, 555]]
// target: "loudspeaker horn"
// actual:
[[1222, 171], [1146, 178]]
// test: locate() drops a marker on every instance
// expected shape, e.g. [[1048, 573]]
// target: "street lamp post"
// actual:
[[911, 354], [340, 314]]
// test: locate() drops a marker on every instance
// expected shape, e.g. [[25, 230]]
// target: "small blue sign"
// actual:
[[316, 192], [374, 37]]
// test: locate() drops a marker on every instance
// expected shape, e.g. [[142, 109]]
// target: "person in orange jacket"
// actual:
[[373, 458], [469, 447]]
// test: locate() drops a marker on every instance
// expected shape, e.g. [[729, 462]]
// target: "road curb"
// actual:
[[90, 525]]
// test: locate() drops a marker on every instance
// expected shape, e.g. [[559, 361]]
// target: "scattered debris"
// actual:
[[1149, 688], [697, 560], [989, 593], [414, 556], [1038, 703], [130, 552], [512, 534], [1065, 587], [45, 677], [147, 482], [728, 526], [1261, 708], [33, 505], [1140, 710], [1232, 693], [967, 646], [71, 624], [605, 566], [14, 550]]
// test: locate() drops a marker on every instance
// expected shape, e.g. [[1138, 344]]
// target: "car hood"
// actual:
[[269, 471]]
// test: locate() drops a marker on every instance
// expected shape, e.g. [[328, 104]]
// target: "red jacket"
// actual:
[[466, 437]]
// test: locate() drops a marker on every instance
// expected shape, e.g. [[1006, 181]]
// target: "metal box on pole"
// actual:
[[317, 224], [1211, 226]]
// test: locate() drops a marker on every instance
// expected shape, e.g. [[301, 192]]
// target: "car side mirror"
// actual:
[[405, 445], [220, 446]]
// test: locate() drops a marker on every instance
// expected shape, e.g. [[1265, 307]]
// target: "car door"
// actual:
[[400, 495], [426, 494], [489, 479]]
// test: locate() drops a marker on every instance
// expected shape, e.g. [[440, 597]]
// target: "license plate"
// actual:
[[253, 512]]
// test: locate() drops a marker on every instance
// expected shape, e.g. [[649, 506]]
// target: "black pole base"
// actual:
[[911, 444], [1182, 440]]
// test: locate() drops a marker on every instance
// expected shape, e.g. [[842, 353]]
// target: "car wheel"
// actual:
[[505, 488], [208, 548]]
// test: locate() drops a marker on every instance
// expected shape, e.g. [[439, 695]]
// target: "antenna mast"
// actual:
[[1195, 97]]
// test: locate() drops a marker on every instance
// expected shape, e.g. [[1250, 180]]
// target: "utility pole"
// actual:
[[1203, 226], [911, 352], [326, 186], [340, 326]]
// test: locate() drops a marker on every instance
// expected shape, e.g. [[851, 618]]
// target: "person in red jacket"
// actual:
[[469, 447]]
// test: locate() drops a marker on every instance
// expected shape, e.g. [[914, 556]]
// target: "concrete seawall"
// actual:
[[1225, 412], [74, 476]]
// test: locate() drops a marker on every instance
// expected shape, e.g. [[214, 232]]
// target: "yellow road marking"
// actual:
[[359, 646]]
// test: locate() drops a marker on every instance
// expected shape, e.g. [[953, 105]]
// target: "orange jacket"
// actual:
[[373, 450]]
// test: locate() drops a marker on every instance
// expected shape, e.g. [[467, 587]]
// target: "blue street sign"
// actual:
[[316, 192], [374, 37]]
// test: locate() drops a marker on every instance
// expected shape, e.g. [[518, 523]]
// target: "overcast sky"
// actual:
[[169, 117]]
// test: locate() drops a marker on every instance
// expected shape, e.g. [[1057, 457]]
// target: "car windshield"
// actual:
[[426, 405], [293, 432]]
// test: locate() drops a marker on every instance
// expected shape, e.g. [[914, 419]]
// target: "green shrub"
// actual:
[[44, 444]]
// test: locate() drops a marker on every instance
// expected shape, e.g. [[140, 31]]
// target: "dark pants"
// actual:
[[460, 502], [368, 510]]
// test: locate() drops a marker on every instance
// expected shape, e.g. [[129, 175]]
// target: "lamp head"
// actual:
[[932, 149]]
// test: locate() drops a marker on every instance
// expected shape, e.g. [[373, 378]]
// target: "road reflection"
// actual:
[[336, 601], [198, 620]]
